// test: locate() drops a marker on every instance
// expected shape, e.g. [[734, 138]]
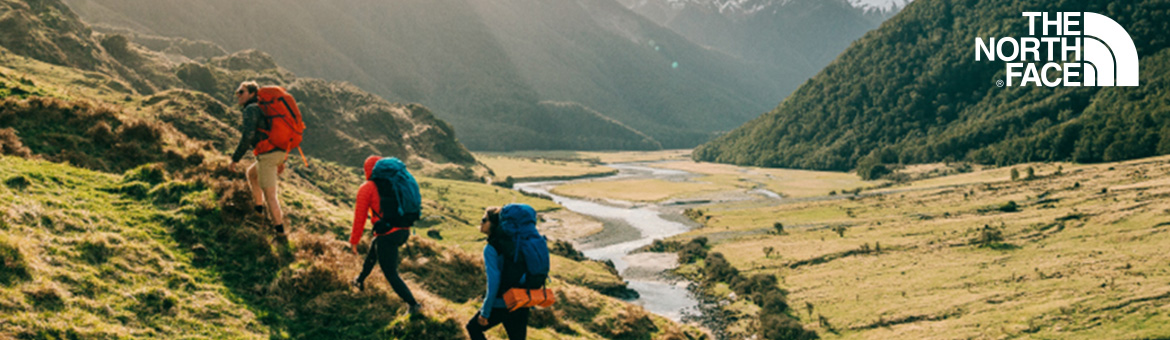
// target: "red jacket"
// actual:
[[368, 205]]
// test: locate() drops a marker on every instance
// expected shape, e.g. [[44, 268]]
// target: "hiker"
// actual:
[[516, 256], [387, 200], [262, 174]]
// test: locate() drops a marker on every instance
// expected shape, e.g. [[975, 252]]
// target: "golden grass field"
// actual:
[[606, 157], [786, 182], [525, 169], [1085, 257], [649, 190]]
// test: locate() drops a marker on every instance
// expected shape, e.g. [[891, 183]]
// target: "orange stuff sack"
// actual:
[[517, 298]]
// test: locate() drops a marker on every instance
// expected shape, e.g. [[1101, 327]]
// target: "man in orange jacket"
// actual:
[[384, 248]]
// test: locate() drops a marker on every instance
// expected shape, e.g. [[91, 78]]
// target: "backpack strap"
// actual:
[[303, 159]]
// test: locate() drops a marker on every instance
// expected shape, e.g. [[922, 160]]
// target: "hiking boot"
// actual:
[[415, 310], [361, 286]]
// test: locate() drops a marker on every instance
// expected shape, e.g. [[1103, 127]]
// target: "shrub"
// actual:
[[779, 228], [989, 236], [660, 246], [718, 269], [1015, 174], [783, 326], [566, 250], [693, 251]]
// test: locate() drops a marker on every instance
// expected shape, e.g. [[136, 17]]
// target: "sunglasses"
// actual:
[[484, 220], [239, 92]]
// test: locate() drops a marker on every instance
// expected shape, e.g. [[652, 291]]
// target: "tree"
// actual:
[[1015, 174], [779, 228], [768, 252]]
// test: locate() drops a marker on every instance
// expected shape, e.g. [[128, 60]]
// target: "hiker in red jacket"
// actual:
[[384, 248]]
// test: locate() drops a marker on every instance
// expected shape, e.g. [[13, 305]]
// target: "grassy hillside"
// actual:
[[911, 92], [1074, 252], [486, 66], [120, 219]]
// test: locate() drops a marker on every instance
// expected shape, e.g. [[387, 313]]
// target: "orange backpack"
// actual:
[[286, 124]]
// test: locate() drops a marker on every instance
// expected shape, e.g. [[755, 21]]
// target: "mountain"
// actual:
[[796, 38], [879, 5], [485, 66], [347, 124], [912, 92]]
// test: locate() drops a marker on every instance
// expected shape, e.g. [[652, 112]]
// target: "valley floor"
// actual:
[[1074, 251]]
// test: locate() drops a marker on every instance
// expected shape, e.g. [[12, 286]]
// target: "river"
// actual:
[[629, 226]]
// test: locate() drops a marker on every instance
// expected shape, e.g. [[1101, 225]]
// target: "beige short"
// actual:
[[266, 168]]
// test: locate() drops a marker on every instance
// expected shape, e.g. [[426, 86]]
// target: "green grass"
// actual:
[[104, 265], [166, 247]]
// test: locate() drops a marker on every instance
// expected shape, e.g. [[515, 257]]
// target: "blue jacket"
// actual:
[[493, 263]]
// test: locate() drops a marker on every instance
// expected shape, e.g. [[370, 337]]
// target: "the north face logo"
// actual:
[[1083, 48]]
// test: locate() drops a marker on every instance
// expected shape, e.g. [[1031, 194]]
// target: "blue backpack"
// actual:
[[400, 201], [527, 267]]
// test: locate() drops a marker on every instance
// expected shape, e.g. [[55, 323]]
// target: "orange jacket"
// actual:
[[368, 205]]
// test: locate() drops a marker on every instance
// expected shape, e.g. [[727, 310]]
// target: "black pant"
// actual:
[[515, 324], [384, 250]]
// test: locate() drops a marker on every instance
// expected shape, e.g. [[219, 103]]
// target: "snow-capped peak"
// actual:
[[879, 5]]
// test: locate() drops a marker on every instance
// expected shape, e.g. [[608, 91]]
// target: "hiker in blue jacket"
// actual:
[[494, 310]]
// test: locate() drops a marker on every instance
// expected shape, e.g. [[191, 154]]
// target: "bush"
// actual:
[[989, 236], [718, 269], [779, 228], [782, 326], [693, 251], [755, 286], [566, 250]]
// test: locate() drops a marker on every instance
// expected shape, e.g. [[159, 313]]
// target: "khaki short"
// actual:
[[266, 168]]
